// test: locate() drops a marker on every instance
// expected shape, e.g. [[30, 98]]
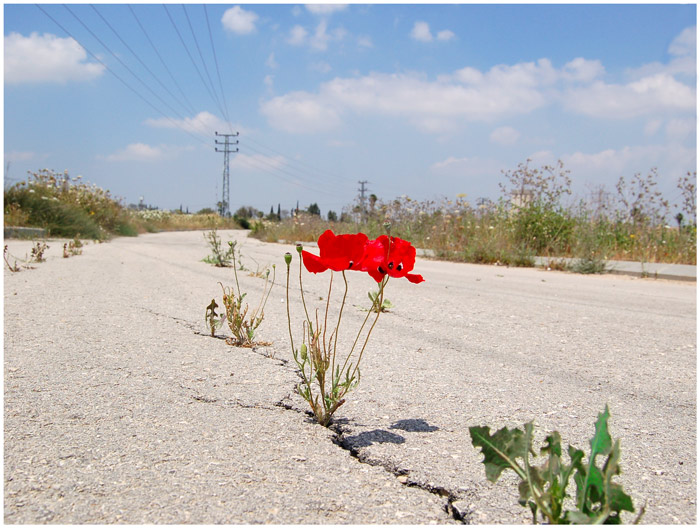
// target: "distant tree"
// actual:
[[332, 217], [206, 210], [314, 209], [246, 211], [279, 212]]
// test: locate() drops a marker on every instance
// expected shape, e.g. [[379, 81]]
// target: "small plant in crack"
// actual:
[[38, 250], [12, 267], [219, 257], [598, 499], [72, 248], [242, 325], [327, 375], [213, 320], [384, 306]]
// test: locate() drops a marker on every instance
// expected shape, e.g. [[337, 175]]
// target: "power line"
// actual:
[[206, 70], [124, 65], [115, 74], [136, 55], [182, 41], [216, 64], [155, 49]]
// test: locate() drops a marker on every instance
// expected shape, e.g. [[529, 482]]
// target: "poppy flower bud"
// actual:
[[302, 351], [288, 258], [387, 227]]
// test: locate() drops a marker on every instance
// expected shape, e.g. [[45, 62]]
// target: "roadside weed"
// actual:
[[219, 257], [598, 499]]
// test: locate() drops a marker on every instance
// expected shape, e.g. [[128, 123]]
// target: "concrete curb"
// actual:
[[652, 270], [24, 232]]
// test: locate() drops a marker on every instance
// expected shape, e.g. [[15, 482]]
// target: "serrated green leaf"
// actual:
[[601, 443], [500, 450]]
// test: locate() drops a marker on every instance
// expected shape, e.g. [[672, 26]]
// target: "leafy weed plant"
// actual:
[[6, 255], [38, 250], [242, 325], [598, 499], [219, 257]]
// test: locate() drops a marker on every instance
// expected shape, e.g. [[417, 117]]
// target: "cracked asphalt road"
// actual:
[[120, 408]]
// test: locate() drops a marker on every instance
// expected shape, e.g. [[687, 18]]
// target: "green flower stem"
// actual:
[[380, 301], [301, 289], [325, 319], [337, 326], [235, 273], [289, 318]]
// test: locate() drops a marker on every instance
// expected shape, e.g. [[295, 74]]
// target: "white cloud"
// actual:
[[421, 32], [606, 166], [320, 38], [325, 9], [203, 123], [457, 168], [297, 112], [652, 127], [451, 161], [321, 66], [297, 35], [239, 21], [15, 156], [467, 95], [271, 62], [685, 43], [583, 70], [504, 135], [678, 130], [365, 41], [683, 62], [46, 58], [445, 34], [137, 152], [256, 161], [649, 95]]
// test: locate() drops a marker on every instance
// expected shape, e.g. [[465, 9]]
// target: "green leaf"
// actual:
[[500, 450], [601, 443]]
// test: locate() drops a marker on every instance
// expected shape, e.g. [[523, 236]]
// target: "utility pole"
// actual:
[[228, 149], [363, 190]]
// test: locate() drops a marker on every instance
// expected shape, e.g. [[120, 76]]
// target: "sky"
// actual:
[[427, 101]]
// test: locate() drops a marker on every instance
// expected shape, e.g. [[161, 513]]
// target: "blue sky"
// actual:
[[421, 100]]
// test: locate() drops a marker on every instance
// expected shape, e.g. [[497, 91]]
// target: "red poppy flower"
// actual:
[[338, 253], [394, 257]]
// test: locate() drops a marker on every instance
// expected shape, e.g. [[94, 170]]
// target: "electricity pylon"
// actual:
[[225, 193]]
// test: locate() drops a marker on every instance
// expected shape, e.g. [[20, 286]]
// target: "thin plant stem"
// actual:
[[289, 317], [337, 326], [381, 300], [235, 273], [325, 320], [301, 289], [263, 299]]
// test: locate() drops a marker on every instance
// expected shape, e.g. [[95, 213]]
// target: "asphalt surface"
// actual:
[[120, 408]]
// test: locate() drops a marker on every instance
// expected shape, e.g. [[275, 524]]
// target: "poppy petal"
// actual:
[[414, 278], [313, 263]]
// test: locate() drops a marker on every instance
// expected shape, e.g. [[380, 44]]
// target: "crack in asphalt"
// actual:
[[401, 474], [285, 404]]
